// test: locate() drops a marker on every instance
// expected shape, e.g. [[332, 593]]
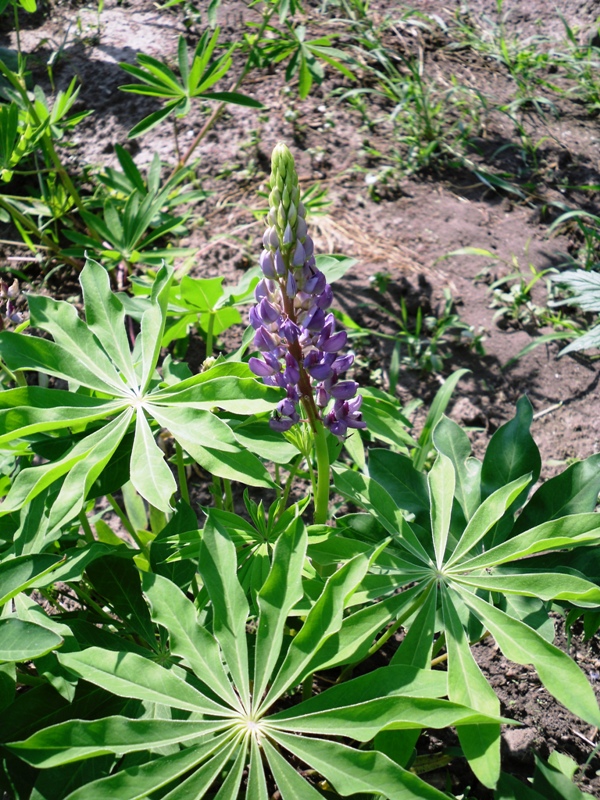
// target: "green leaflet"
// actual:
[[486, 516], [150, 474], [323, 620], [84, 462], [137, 782], [32, 409], [278, 595], [61, 320], [566, 532], [467, 685], [441, 483], [520, 643], [351, 771], [105, 316], [32, 353], [369, 494], [130, 675], [289, 782], [218, 567], [79, 739], [188, 639], [21, 640]]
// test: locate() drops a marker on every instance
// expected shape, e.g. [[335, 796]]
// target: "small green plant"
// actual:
[[511, 296], [194, 81], [422, 341], [584, 293]]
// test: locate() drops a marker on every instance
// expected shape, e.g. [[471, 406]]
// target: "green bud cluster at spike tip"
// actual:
[[300, 347]]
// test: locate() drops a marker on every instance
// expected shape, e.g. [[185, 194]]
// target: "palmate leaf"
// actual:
[[95, 354], [230, 731], [476, 575]]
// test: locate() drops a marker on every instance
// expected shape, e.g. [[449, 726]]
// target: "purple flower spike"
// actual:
[[295, 334]]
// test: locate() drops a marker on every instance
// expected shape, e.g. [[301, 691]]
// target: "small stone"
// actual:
[[519, 741], [467, 413]]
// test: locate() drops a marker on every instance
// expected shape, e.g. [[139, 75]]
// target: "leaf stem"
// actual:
[[209, 334], [414, 606], [17, 376], [288, 484], [85, 525], [228, 494], [127, 524], [181, 474]]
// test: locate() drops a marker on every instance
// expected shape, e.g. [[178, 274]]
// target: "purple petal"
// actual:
[[335, 342], [301, 228], [266, 264], [291, 287], [298, 258], [314, 320], [281, 424], [356, 423], [320, 372], [342, 363], [309, 247], [263, 340], [288, 236], [290, 330], [259, 368], [325, 299], [345, 390], [316, 283], [321, 396], [286, 407], [254, 318], [273, 238], [279, 263], [267, 311]]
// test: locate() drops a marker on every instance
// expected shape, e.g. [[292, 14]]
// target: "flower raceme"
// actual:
[[300, 347]]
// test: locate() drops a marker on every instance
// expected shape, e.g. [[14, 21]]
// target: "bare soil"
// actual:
[[405, 229]]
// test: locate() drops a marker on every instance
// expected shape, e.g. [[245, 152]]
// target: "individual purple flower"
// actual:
[[300, 346]]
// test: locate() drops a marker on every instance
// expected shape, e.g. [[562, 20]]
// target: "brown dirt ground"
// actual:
[[407, 233]]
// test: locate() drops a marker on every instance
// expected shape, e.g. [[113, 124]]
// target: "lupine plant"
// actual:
[[155, 643]]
